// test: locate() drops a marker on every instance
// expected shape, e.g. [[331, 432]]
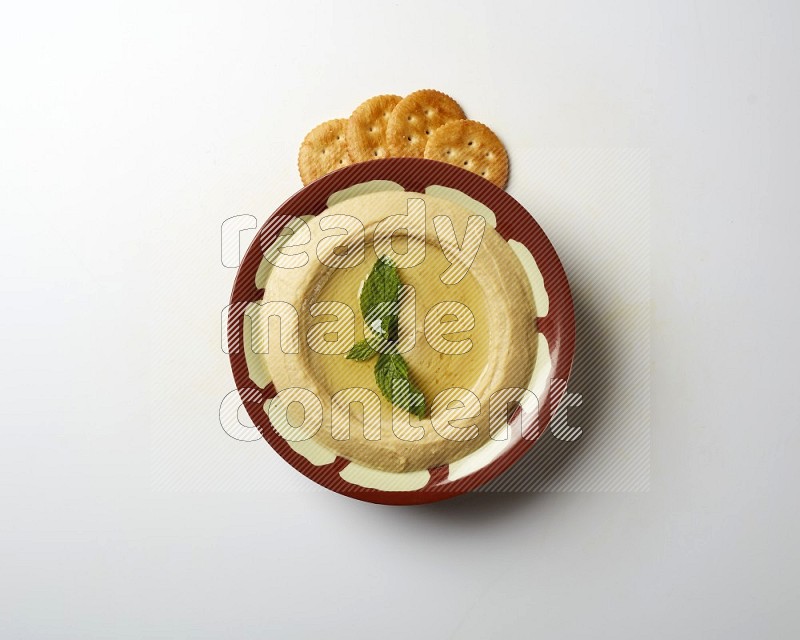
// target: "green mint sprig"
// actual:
[[379, 301]]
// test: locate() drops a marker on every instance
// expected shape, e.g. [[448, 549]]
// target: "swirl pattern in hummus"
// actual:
[[496, 288]]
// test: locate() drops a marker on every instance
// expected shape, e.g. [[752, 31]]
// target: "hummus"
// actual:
[[501, 334]]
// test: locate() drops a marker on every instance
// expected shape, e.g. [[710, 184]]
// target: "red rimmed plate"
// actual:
[[555, 330]]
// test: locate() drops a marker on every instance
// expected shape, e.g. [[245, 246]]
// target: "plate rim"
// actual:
[[413, 174]]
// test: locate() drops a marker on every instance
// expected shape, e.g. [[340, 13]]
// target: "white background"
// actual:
[[128, 133]]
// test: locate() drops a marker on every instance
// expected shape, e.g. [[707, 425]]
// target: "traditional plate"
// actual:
[[555, 334]]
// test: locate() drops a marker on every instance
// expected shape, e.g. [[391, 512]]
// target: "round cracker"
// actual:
[[324, 149], [416, 117], [366, 130], [472, 146]]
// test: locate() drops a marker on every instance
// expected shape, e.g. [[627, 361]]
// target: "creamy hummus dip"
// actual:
[[500, 334]]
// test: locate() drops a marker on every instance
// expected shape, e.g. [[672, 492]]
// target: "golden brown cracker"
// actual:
[[472, 146], [416, 117], [323, 150], [366, 130]]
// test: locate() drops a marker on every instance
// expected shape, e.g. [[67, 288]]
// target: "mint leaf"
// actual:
[[361, 351], [379, 300], [382, 287], [389, 326], [391, 375]]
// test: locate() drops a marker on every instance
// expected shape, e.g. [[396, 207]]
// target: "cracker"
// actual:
[[366, 130], [472, 146], [323, 150], [416, 117]]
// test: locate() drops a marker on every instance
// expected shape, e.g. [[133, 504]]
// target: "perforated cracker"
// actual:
[[366, 130], [472, 146], [416, 117], [324, 149]]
